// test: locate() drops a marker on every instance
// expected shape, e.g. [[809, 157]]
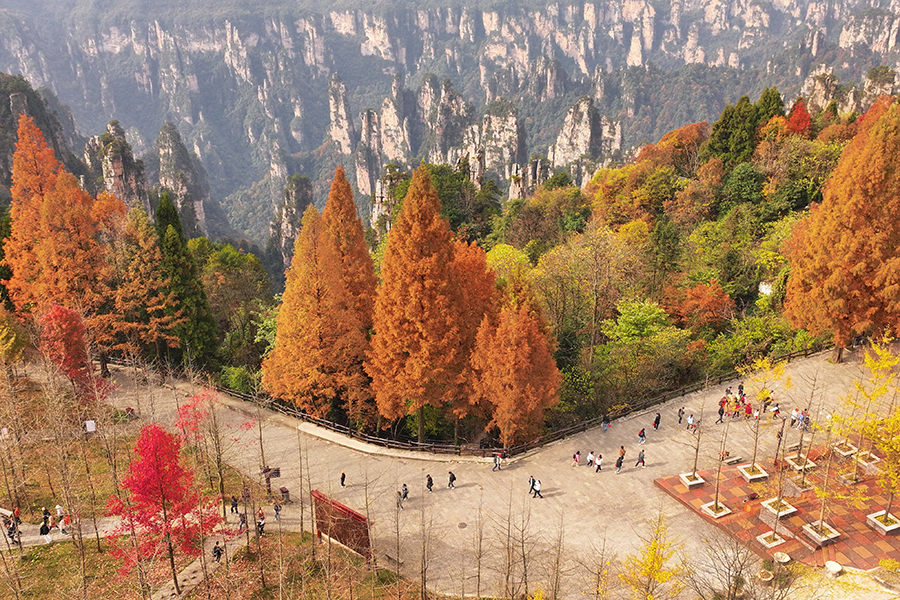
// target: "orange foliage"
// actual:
[[346, 231], [146, 310], [836, 132], [696, 202], [319, 344], [705, 305], [516, 372], [54, 250], [475, 286], [845, 261], [415, 353]]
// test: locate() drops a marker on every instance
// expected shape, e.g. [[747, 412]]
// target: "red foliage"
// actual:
[[799, 122], [164, 506], [191, 415], [62, 341]]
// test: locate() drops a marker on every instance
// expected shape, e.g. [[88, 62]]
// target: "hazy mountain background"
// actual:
[[261, 92]]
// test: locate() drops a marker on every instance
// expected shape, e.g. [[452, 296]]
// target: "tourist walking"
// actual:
[[405, 491], [590, 459], [721, 413], [277, 509], [640, 460], [531, 481], [217, 552], [496, 463], [656, 422], [680, 414], [576, 458], [537, 489], [642, 436], [599, 463], [452, 480], [619, 462], [234, 505], [343, 479], [429, 483]]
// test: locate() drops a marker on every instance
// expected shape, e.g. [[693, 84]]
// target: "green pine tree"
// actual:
[[166, 215], [770, 104], [197, 333]]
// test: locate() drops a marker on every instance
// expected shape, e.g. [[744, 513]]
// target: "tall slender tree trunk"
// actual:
[[421, 414]]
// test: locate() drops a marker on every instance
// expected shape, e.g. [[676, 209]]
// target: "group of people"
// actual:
[[800, 419], [403, 492], [735, 406], [595, 461]]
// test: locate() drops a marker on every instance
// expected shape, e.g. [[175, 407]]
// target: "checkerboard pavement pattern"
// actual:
[[858, 546]]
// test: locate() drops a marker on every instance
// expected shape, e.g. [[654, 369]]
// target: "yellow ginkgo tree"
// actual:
[[650, 574]]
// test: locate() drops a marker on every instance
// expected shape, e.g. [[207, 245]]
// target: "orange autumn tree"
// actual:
[[146, 311], [346, 231], [415, 352], [845, 257], [54, 250], [516, 373], [704, 306], [475, 286], [317, 359]]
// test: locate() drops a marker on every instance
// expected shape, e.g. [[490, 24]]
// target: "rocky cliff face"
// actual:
[[111, 161], [256, 97], [17, 98], [184, 180], [285, 226]]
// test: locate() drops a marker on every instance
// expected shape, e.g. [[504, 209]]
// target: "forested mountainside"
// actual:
[[260, 95]]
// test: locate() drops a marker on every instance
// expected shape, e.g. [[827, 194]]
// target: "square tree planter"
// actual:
[[710, 509], [869, 463], [691, 480], [821, 533], [845, 449], [847, 478], [883, 524], [768, 514], [752, 473], [867, 458], [799, 462], [770, 540]]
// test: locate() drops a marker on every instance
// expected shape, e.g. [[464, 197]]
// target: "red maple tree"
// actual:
[[164, 509], [799, 121]]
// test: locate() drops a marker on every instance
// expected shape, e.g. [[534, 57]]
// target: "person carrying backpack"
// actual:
[[217, 552]]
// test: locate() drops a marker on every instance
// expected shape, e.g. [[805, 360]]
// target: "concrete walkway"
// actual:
[[581, 510]]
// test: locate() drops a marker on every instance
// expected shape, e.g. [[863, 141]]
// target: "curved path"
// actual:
[[582, 508]]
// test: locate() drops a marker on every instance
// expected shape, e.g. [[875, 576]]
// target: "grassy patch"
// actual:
[[53, 571], [303, 575]]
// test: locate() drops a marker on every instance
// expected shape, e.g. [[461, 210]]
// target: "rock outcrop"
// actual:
[[296, 197], [110, 159], [823, 87], [341, 131], [17, 98], [585, 139], [184, 179]]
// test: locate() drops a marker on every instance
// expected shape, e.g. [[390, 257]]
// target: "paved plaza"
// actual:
[[583, 509]]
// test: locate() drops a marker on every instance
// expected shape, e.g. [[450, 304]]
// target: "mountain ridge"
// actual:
[[249, 93]]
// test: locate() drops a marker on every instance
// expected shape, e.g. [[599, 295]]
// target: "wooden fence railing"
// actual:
[[282, 407]]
